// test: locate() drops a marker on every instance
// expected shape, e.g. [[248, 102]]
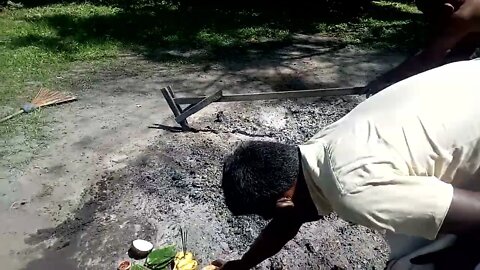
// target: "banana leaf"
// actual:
[[159, 259]]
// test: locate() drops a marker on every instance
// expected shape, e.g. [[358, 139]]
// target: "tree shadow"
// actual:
[[167, 32]]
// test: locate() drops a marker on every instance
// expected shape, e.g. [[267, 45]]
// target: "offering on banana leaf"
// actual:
[[185, 261], [158, 259]]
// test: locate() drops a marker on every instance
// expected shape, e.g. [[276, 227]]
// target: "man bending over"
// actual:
[[405, 162]]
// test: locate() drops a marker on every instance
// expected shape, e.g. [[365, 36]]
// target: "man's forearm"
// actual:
[[421, 62], [432, 56], [270, 242]]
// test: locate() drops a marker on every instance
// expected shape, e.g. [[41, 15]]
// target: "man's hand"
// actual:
[[230, 265], [375, 86]]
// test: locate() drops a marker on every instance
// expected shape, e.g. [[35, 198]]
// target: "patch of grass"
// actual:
[[238, 37], [378, 28], [33, 54]]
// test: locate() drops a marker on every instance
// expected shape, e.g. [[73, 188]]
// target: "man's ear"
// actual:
[[285, 203]]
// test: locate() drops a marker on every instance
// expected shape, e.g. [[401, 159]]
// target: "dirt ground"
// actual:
[[115, 171]]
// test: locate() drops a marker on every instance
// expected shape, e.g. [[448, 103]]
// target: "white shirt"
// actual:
[[391, 163]]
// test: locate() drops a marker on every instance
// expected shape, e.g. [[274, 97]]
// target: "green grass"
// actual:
[[33, 55], [39, 45], [213, 38], [40, 60], [388, 25], [27, 61]]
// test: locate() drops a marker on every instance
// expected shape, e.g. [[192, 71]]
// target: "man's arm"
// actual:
[[463, 216], [463, 220], [432, 56], [272, 239]]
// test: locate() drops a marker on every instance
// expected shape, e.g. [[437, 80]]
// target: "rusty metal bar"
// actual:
[[198, 103], [174, 106], [277, 95], [198, 106]]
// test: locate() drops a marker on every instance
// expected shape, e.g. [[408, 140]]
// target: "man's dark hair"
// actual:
[[257, 174]]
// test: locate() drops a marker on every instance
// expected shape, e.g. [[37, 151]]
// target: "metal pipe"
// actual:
[[277, 95]]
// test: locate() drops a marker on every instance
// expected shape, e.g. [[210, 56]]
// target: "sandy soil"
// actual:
[[110, 174]]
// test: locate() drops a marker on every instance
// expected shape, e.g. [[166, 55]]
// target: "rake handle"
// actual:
[[11, 116]]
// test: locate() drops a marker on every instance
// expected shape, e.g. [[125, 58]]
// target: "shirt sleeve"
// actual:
[[413, 205]]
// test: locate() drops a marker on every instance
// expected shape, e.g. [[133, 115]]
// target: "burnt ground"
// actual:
[[119, 171], [176, 182]]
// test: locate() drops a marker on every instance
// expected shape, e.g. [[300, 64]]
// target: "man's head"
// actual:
[[260, 177]]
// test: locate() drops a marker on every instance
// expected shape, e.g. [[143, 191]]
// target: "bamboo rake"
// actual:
[[43, 98]]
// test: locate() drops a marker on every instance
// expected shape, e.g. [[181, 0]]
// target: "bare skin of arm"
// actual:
[[431, 57], [459, 25], [463, 220], [272, 239], [463, 217]]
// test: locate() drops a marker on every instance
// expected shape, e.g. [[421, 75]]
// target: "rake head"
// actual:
[[45, 98]]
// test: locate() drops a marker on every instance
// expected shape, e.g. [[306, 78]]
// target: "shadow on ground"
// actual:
[[168, 32]]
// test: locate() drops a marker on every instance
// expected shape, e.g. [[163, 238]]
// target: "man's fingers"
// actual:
[[218, 263], [366, 89], [370, 93], [371, 90]]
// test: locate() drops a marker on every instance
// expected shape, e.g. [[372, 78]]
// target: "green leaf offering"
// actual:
[[159, 259]]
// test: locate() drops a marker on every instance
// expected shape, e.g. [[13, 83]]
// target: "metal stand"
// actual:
[[195, 104]]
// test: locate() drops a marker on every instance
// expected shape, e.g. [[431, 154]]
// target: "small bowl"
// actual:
[[124, 265], [140, 249]]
